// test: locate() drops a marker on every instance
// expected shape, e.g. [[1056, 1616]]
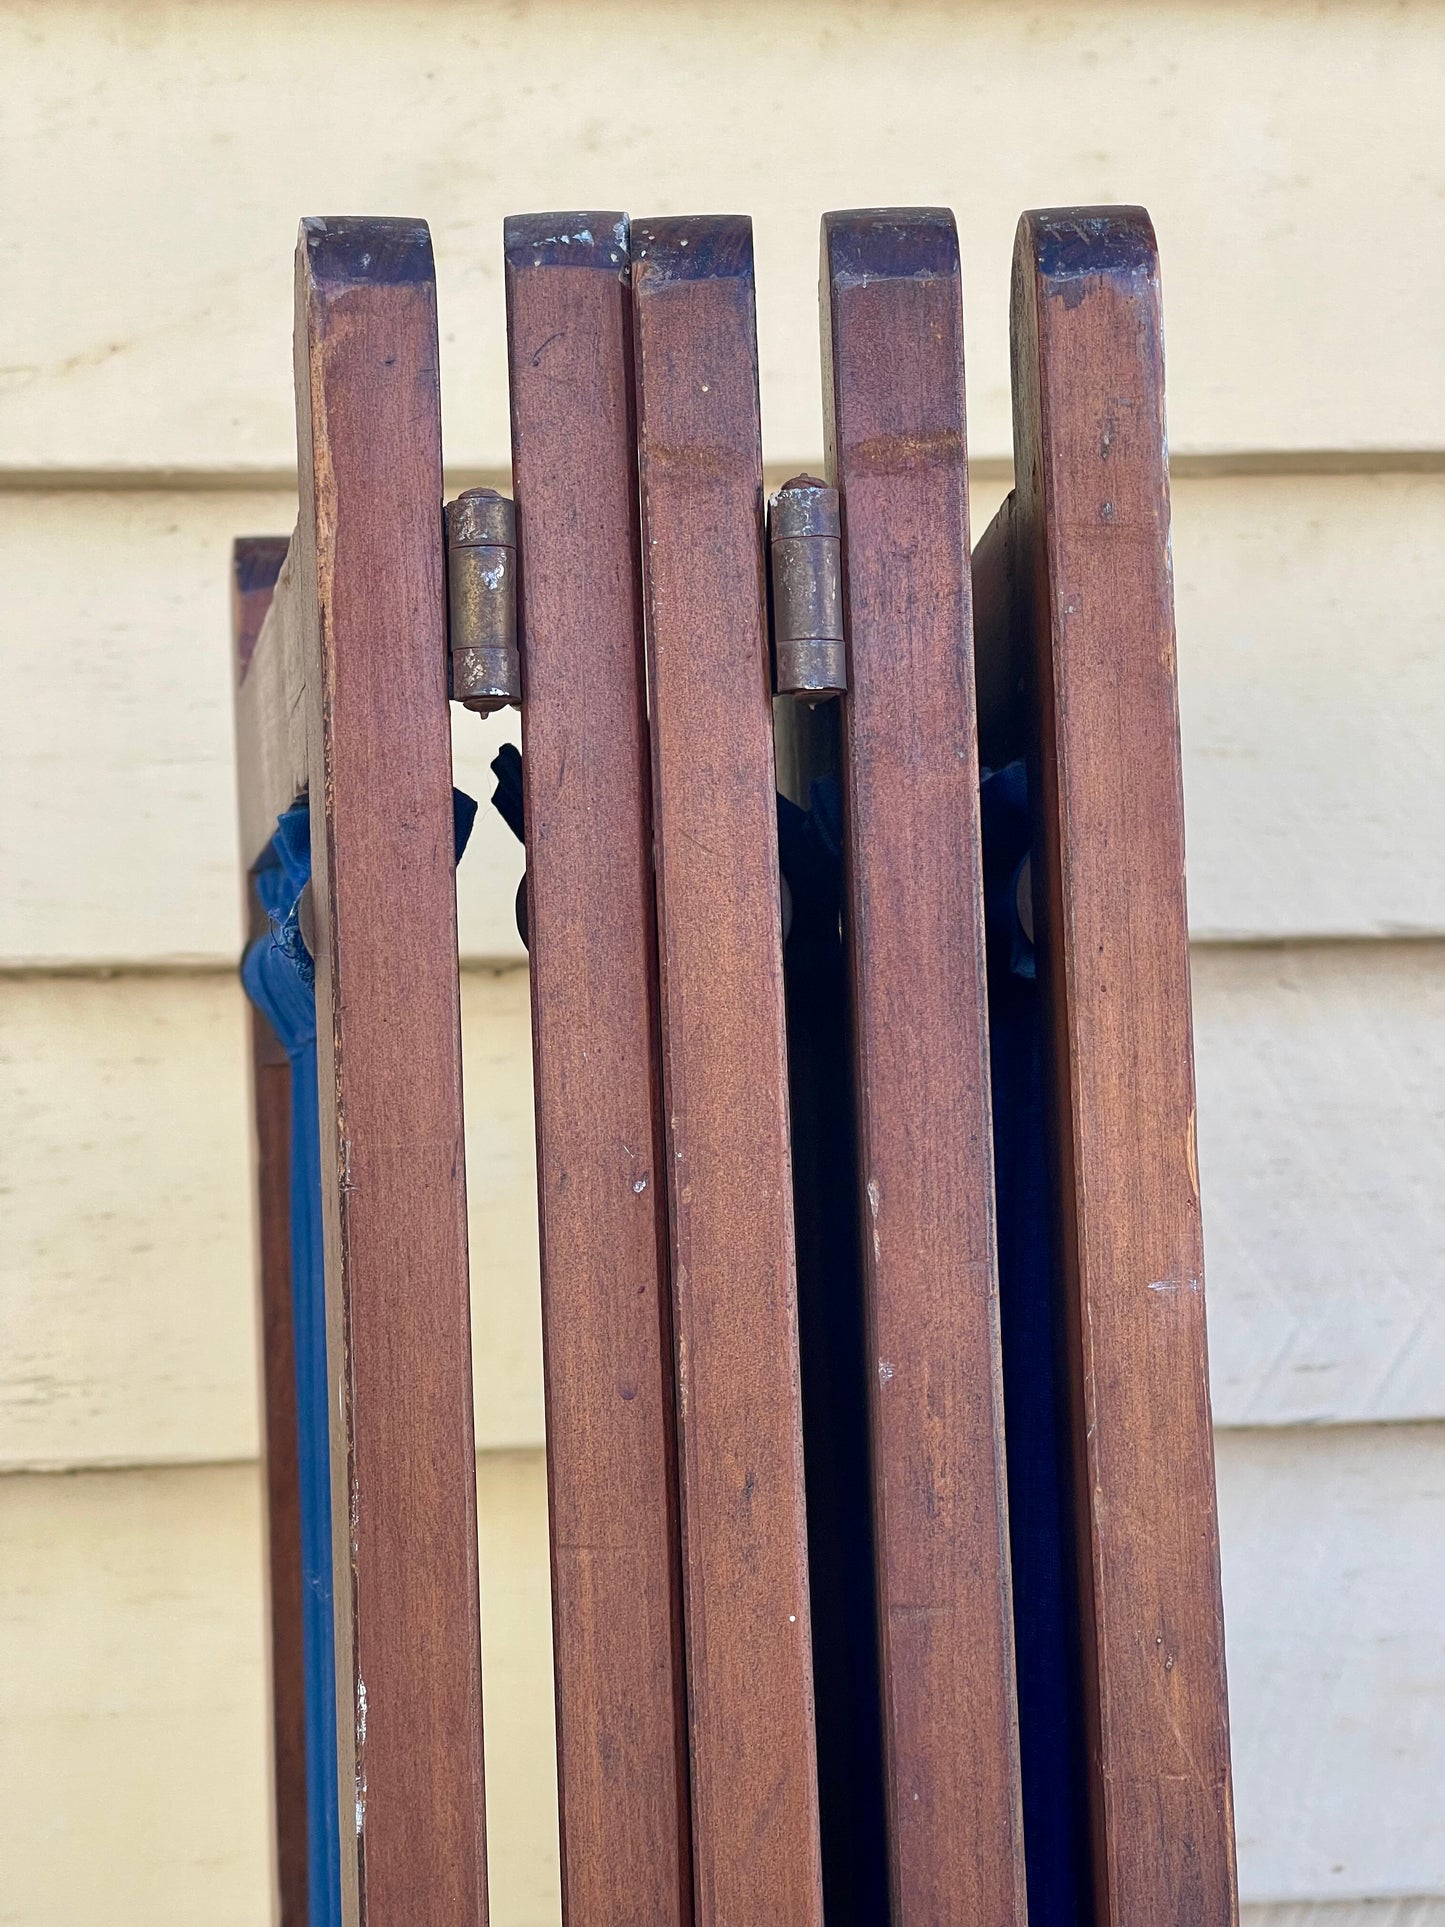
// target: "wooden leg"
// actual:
[[256, 563], [1086, 567], [754, 1787], [894, 392], [616, 1585], [369, 614]]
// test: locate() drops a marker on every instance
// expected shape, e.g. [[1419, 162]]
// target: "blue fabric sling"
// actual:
[[280, 979]]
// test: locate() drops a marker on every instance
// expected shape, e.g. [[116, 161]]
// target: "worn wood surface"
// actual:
[[754, 1791], [389, 1048], [1094, 607], [255, 564], [893, 392], [272, 752], [607, 1337]]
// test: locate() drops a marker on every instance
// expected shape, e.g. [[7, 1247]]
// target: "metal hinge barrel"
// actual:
[[486, 665], [806, 559]]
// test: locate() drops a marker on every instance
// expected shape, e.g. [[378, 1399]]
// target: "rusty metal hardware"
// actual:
[[482, 600], [806, 546]]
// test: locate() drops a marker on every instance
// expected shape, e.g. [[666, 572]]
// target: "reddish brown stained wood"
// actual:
[[1091, 536], [255, 565], [370, 579], [616, 1586], [754, 1780], [893, 347]]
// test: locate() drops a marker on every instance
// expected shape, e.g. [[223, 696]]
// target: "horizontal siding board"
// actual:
[[132, 1764], [133, 1767], [126, 1325], [1313, 760], [125, 1297], [132, 1715], [1311, 618], [117, 807], [1412, 1911], [1333, 1546], [158, 155], [1321, 1075]]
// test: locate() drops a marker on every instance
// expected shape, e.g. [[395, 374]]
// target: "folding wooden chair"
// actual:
[[865, 1121]]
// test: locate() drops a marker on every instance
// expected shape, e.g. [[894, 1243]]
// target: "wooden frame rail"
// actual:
[[1076, 613], [602, 1182], [744, 1538], [897, 452], [343, 699]]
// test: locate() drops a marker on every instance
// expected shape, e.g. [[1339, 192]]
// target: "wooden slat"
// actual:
[[394, 1203], [1094, 609], [256, 563], [616, 1585], [893, 334], [754, 1791]]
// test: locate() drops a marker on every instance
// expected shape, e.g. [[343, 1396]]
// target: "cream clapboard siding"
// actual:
[[126, 1324], [156, 156], [125, 1301], [1312, 671], [1290, 155], [132, 1775], [133, 1782]]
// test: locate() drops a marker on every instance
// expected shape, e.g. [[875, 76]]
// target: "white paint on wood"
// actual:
[[133, 1778], [1321, 1077], [1314, 753], [157, 157], [1334, 1570], [126, 1321]]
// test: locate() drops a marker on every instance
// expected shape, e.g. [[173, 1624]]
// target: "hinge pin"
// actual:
[[482, 600], [805, 540]]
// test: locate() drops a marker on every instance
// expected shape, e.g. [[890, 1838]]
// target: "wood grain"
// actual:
[[754, 1788], [1094, 605], [616, 1584], [893, 393], [389, 1048], [256, 563], [272, 751]]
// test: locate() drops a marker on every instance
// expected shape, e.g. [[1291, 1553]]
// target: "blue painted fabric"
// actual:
[[280, 978], [1050, 1702]]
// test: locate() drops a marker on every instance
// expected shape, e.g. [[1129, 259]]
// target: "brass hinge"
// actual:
[[805, 544], [486, 667], [806, 553]]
